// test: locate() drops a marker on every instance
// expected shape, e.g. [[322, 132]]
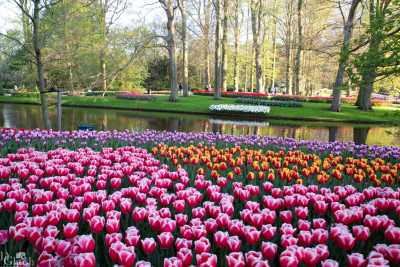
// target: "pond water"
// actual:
[[28, 116]]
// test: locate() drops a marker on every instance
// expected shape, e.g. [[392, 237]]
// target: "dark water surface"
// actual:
[[28, 116]]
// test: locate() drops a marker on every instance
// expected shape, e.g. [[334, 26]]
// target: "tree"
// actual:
[[170, 7], [297, 62], [224, 55], [32, 12], [257, 8], [185, 65], [344, 52], [217, 60], [236, 33], [288, 40], [382, 57]]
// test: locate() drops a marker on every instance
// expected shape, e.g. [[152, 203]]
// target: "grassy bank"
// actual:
[[200, 104]]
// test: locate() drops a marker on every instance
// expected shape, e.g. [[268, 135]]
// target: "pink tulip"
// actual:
[[148, 245], [202, 245], [70, 230], [234, 244], [392, 234], [96, 224], [356, 260], [185, 255], [172, 262], [85, 243], [269, 250], [361, 233], [206, 260], [221, 239], [329, 263], [166, 240], [235, 259]]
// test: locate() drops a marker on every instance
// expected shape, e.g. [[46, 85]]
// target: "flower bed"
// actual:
[[271, 103], [12, 139], [239, 109], [134, 96], [229, 94], [124, 207]]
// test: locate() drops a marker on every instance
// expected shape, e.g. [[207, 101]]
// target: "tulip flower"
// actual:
[[235, 259], [206, 260], [166, 240], [356, 260], [70, 230], [269, 250], [148, 245]]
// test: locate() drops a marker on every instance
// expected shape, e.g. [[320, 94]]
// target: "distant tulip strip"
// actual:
[[11, 139], [182, 207]]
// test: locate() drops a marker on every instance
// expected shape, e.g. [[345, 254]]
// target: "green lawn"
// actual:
[[200, 104]]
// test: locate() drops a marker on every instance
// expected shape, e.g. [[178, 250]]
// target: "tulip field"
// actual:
[[196, 199]]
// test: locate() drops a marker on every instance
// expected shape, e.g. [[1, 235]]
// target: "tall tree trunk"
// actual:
[[185, 65], [217, 66], [297, 64], [39, 64], [344, 56], [172, 51], [206, 35], [103, 47], [288, 46], [224, 55], [274, 50], [257, 17], [236, 48]]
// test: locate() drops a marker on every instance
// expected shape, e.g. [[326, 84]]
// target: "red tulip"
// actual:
[[320, 207], [234, 244], [112, 238], [221, 239], [125, 205], [252, 257], [183, 243], [96, 224], [304, 238], [252, 235], [269, 250], [356, 260], [301, 212], [63, 248], [166, 240], [361, 233], [172, 262], [202, 245], [392, 234], [206, 260], [286, 216], [289, 261], [346, 241], [268, 231], [319, 223], [85, 243], [320, 236], [3, 237], [393, 254], [70, 230], [185, 255], [329, 263], [85, 260], [126, 257], [143, 264], [310, 257], [235, 259], [112, 225], [148, 245]]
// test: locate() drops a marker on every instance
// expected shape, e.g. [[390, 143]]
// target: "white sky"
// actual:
[[148, 10]]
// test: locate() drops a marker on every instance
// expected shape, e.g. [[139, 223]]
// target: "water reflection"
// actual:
[[28, 116]]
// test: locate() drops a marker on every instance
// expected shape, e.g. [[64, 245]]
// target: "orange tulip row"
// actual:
[[289, 166]]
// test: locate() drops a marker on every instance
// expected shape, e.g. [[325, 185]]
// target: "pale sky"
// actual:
[[148, 10]]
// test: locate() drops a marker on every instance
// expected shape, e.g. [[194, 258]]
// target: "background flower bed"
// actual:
[[239, 109], [135, 96], [12, 139], [271, 103], [229, 94]]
